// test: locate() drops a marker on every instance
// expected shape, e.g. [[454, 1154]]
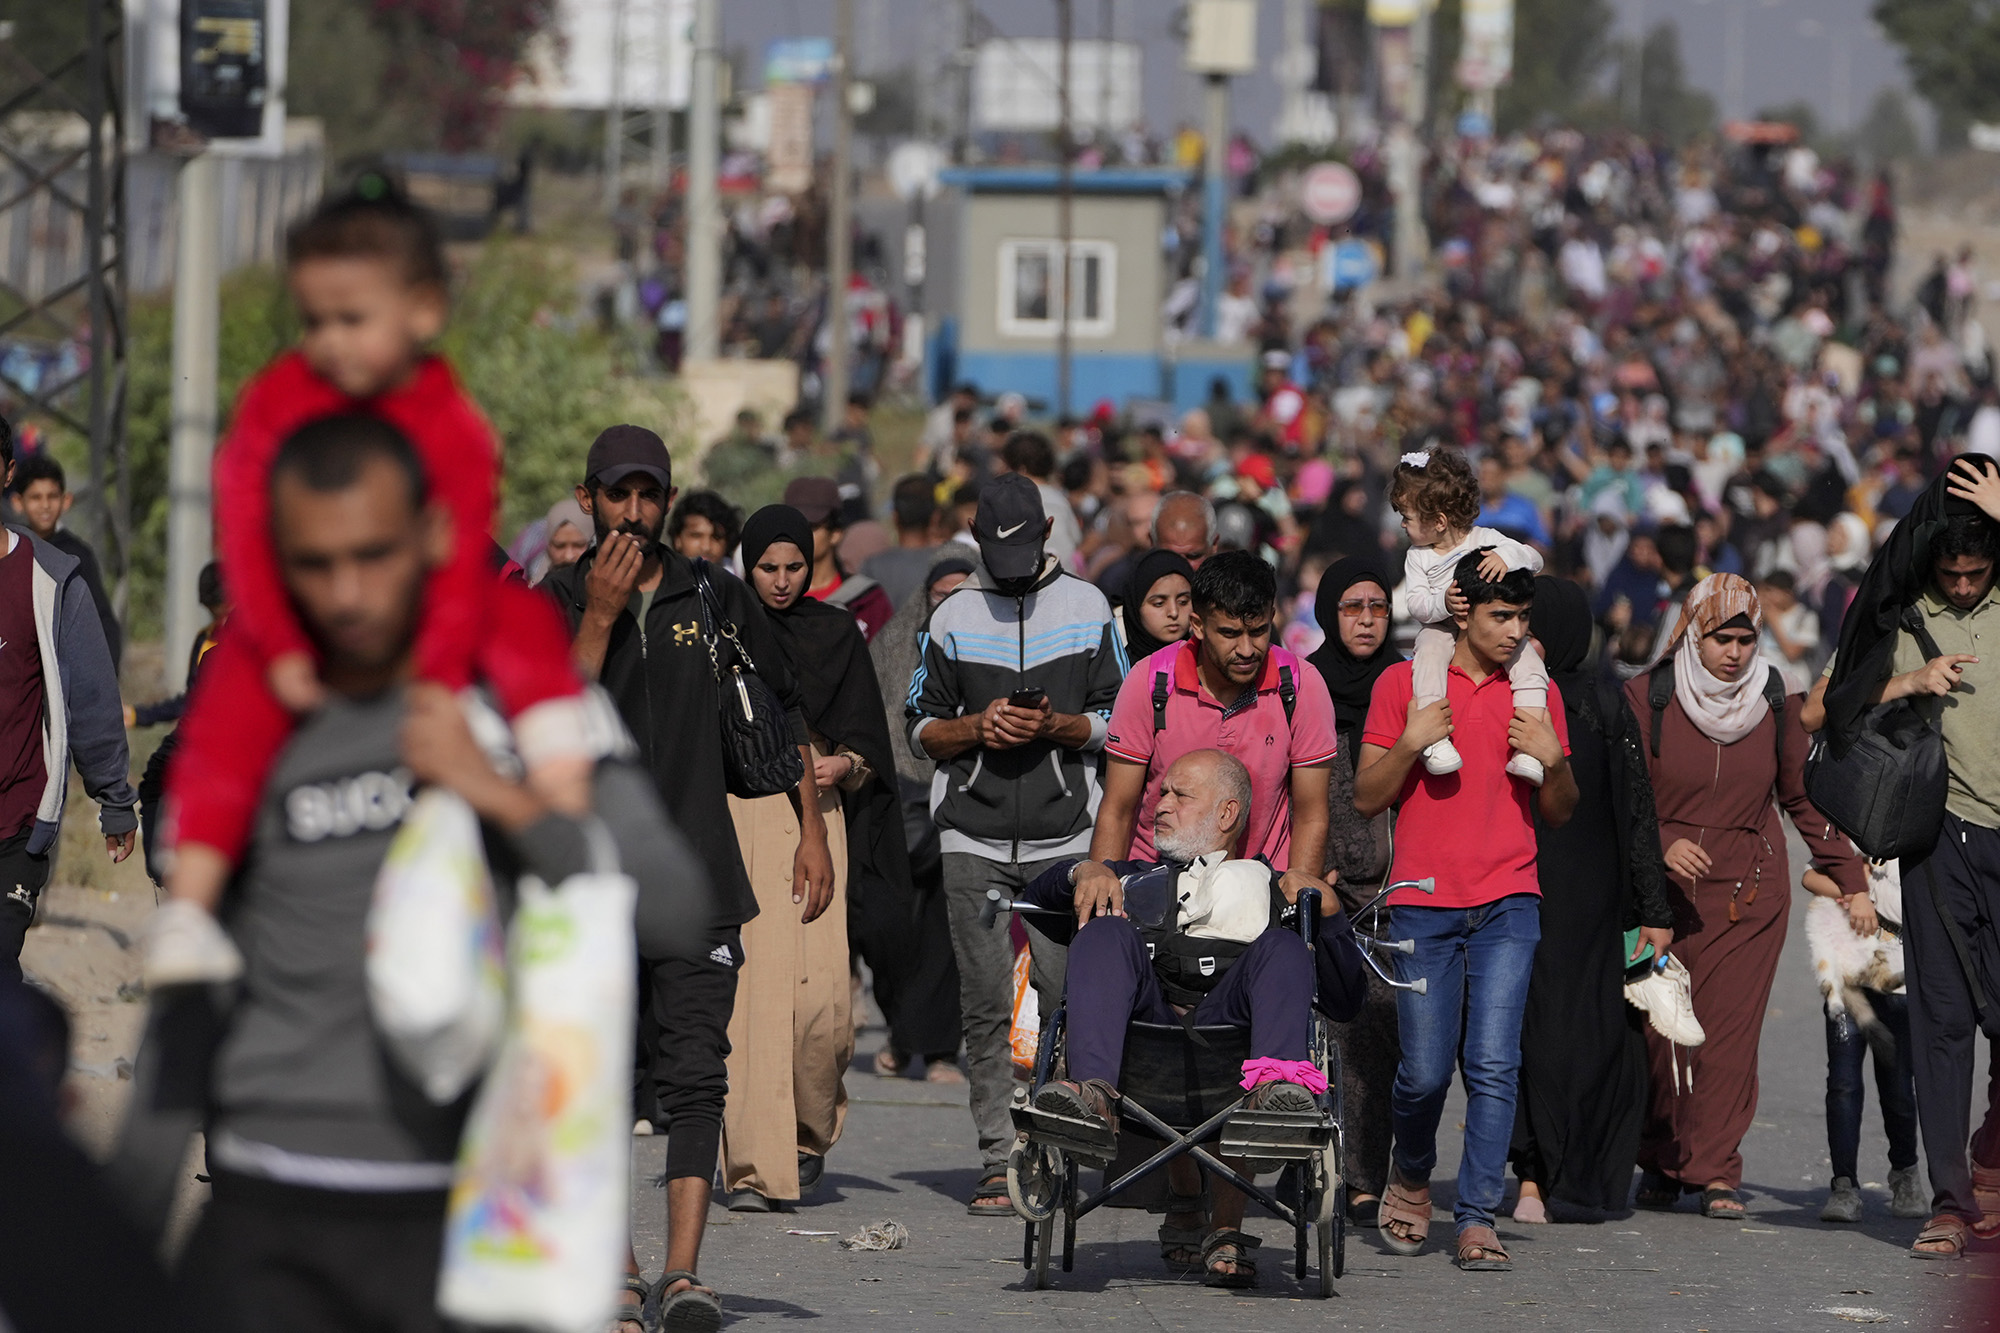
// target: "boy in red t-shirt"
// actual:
[[368, 276]]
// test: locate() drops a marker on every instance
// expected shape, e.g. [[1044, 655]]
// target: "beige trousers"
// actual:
[[792, 1035]]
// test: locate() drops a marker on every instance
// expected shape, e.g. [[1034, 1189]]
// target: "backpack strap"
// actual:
[[1288, 693], [1774, 695], [1659, 689], [1161, 689]]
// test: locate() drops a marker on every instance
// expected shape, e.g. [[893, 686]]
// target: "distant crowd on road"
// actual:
[[1661, 438]]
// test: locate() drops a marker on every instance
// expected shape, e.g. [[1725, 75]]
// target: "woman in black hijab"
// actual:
[[919, 999], [1352, 606], [1153, 595], [792, 1033], [1583, 1050]]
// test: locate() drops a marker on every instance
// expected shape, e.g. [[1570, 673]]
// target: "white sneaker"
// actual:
[[1527, 768], [1442, 757], [185, 946], [1665, 995]]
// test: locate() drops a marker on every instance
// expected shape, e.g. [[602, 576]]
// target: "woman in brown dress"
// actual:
[[1720, 770]]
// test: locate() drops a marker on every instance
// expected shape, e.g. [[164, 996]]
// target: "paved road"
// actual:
[[908, 1155]]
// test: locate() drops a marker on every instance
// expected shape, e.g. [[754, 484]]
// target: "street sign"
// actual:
[[913, 169], [1330, 193], [798, 60], [1348, 265]]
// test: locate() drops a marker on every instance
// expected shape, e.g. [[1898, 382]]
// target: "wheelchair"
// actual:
[[1181, 1087]]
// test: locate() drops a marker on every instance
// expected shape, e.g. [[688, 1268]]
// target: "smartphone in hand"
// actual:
[[1028, 696]]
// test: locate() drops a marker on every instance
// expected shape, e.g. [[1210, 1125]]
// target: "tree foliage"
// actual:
[[1668, 108], [1888, 133], [1952, 49], [1560, 50]]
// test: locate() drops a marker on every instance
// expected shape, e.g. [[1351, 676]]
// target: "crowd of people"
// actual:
[[1617, 483]]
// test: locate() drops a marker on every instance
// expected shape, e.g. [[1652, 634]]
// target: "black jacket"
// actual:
[[664, 686]]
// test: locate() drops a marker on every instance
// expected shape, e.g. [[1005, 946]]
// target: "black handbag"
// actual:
[[1887, 792], [759, 755]]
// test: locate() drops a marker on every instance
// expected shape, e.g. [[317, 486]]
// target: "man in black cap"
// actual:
[[1017, 673], [634, 607], [819, 501]]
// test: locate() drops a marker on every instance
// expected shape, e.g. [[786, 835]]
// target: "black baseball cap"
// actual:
[[622, 450], [1010, 526], [817, 498]]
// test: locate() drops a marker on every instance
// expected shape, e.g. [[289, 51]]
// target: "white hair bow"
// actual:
[[1421, 458]]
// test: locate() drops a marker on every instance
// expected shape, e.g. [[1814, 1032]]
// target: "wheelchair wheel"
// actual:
[[1045, 1236], [1035, 1175]]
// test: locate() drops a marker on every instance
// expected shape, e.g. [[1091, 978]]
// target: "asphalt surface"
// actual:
[[909, 1155]]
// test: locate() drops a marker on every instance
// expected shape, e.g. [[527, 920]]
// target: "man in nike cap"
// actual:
[[1017, 672]]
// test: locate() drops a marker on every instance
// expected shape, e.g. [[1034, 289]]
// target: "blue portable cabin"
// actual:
[[995, 313]]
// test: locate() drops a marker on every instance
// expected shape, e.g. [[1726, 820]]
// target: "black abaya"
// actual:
[[1583, 1051]]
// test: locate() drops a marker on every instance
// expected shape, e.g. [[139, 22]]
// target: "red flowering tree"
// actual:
[[461, 57]]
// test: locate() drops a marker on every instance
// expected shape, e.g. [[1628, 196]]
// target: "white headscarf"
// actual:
[[1725, 711]]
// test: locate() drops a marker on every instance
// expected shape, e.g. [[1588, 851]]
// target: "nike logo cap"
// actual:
[[1010, 526]]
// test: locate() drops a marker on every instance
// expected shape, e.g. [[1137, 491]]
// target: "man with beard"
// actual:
[[1187, 933], [634, 606], [1016, 674]]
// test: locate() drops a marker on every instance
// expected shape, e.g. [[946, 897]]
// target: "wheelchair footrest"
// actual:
[[1089, 1140], [1275, 1135]]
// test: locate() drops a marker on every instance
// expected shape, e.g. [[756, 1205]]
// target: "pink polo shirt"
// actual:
[[1254, 731], [1474, 830]]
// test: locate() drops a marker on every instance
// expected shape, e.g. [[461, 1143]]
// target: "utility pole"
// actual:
[[704, 232], [839, 223], [1214, 198], [191, 445], [614, 115], [1065, 190], [1107, 25], [1407, 152], [961, 142]]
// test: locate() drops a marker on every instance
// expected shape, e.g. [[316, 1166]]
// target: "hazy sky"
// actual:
[[1794, 49]]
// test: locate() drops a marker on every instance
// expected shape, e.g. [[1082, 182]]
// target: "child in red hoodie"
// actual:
[[368, 276]]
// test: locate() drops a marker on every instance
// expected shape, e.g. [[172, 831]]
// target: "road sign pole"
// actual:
[[1214, 203]]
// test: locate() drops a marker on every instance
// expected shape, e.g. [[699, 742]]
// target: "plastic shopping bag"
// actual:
[[1026, 1034], [536, 1234], [436, 980]]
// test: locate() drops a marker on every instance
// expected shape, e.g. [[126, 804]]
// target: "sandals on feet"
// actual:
[[888, 1064], [692, 1309], [1235, 1270], [1407, 1207], [1181, 1247], [1947, 1230], [1364, 1211], [1986, 1197], [1480, 1251], [633, 1314], [1721, 1204], [990, 1199]]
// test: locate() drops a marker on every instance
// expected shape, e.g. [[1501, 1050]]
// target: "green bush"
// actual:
[[546, 377]]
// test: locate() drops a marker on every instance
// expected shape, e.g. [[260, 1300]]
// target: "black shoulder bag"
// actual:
[[759, 756], [1888, 791]]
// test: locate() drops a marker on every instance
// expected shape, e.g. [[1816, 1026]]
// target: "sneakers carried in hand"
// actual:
[[1441, 757], [1527, 768], [1665, 995], [186, 946]]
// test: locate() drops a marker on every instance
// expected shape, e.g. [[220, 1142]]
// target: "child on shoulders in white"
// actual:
[[1438, 497]]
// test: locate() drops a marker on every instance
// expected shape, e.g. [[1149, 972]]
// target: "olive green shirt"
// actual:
[[1969, 717]]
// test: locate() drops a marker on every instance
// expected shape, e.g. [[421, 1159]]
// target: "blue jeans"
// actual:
[[1477, 961], [1894, 1082]]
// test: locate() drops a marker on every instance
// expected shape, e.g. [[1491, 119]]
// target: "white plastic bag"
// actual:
[[537, 1229], [436, 981]]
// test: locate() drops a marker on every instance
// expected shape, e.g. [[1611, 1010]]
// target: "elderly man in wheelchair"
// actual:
[[1200, 942]]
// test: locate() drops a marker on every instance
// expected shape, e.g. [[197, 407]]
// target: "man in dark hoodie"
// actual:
[[58, 702], [1016, 675]]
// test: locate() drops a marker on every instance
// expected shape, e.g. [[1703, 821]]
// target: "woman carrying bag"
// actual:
[[792, 1034], [1721, 764]]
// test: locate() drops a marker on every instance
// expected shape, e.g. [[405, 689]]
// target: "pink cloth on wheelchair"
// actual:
[[1264, 1069]]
